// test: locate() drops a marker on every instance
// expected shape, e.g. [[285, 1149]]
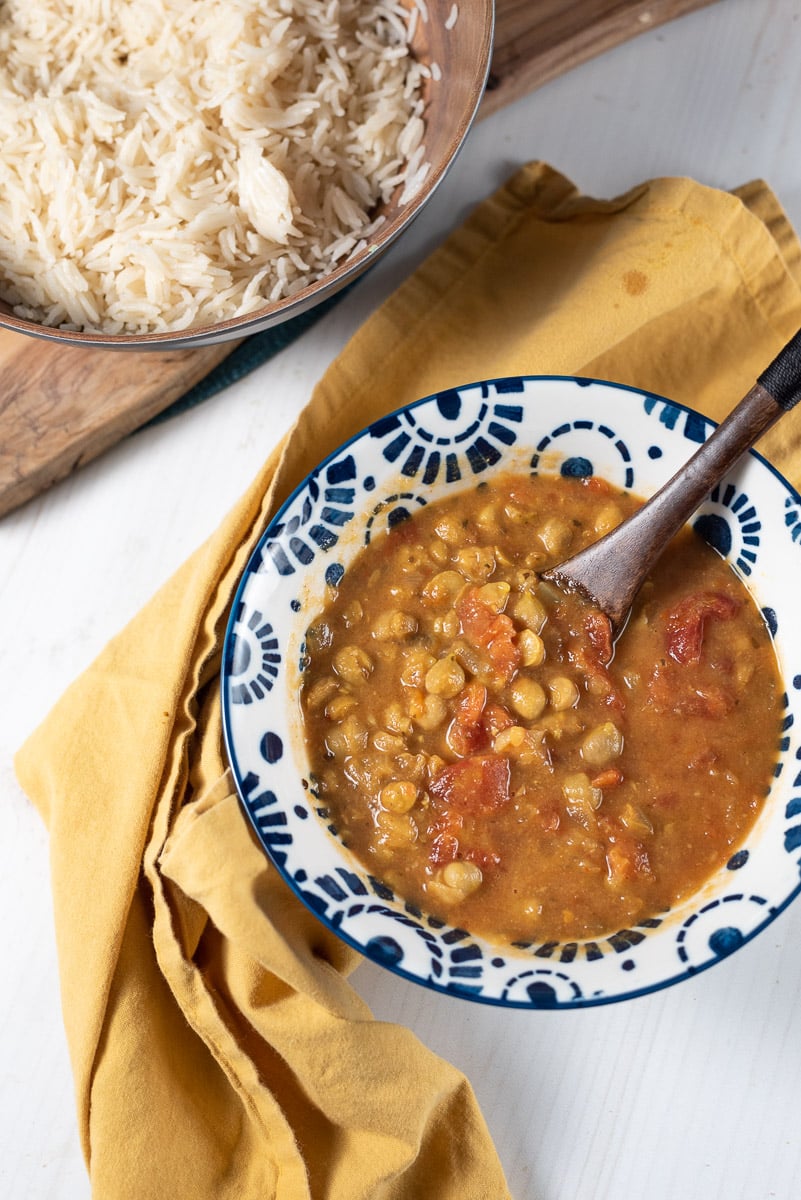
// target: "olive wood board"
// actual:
[[60, 406]]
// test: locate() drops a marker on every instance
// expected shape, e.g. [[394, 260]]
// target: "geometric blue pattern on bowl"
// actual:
[[403, 461]]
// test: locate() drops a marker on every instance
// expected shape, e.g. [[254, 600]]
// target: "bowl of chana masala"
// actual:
[[454, 764]]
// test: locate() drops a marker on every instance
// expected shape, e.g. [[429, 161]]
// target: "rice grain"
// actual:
[[168, 164]]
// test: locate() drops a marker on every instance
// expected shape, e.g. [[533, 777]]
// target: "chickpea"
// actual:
[[607, 519], [495, 595], [388, 743], [744, 673], [348, 738], [454, 882], [339, 706], [597, 685], [353, 664], [320, 691], [449, 529], [509, 740], [527, 746], [744, 663], [525, 580], [409, 559], [476, 563], [532, 648], [530, 611], [416, 664], [579, 792], [563, 693], [353, 614], [528, 698], [395, 830], [394, 626], [319, 636], [367, 771], [411, 766], [464, 877], [396, 720], [602, 744], [448, 625], [474, 661], [434, 766], [636, 820], [561, 724], [431, 713], [446, 678], [556, 535], [443, 588], [398, 797]]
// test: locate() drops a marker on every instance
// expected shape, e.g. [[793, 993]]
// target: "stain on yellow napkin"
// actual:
[[217, 1046]]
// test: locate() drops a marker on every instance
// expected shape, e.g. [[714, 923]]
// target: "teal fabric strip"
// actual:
[[250, 354]]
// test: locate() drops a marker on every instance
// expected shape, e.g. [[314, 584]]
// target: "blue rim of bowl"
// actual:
[[453, 990]]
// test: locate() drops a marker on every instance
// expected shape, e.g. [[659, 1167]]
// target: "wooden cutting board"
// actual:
[[61, 407]]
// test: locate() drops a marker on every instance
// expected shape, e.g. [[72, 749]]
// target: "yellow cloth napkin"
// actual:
[[218, 1050]]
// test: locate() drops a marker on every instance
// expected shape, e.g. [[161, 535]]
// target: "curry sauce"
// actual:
[[485, 750]]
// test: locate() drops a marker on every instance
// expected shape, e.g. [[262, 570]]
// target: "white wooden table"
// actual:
[[692, 1093]]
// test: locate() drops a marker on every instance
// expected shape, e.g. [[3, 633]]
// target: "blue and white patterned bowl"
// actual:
[[635, 440]]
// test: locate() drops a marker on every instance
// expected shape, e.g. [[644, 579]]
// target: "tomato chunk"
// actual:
[[684, 634], [470, 703], [476, 786], [592, 650], [445, 845], [472, 788], [610, 778], [594, 483], [671, 689], [627, 859], [599, 634], [475, 722], [466, 734], [490, 631]]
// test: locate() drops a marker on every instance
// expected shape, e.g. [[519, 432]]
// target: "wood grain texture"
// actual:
[[60, 406], [537, 40]]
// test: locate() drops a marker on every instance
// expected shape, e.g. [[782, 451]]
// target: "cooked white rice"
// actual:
[[167, 164]]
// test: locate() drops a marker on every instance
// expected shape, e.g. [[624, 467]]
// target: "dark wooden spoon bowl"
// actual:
[[610, 572]]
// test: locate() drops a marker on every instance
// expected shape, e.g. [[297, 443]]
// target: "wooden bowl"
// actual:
[[461, 49]]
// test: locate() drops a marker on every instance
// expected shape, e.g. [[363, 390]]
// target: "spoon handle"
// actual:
[[777, 390], [782, 379], [612, 570]]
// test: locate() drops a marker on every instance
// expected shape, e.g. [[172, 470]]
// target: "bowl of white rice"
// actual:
[[176, 173]]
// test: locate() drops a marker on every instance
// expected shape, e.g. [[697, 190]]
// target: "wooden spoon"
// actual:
[[610, 572]]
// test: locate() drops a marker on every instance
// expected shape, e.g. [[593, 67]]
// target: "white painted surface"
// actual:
[[688, 1094]]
